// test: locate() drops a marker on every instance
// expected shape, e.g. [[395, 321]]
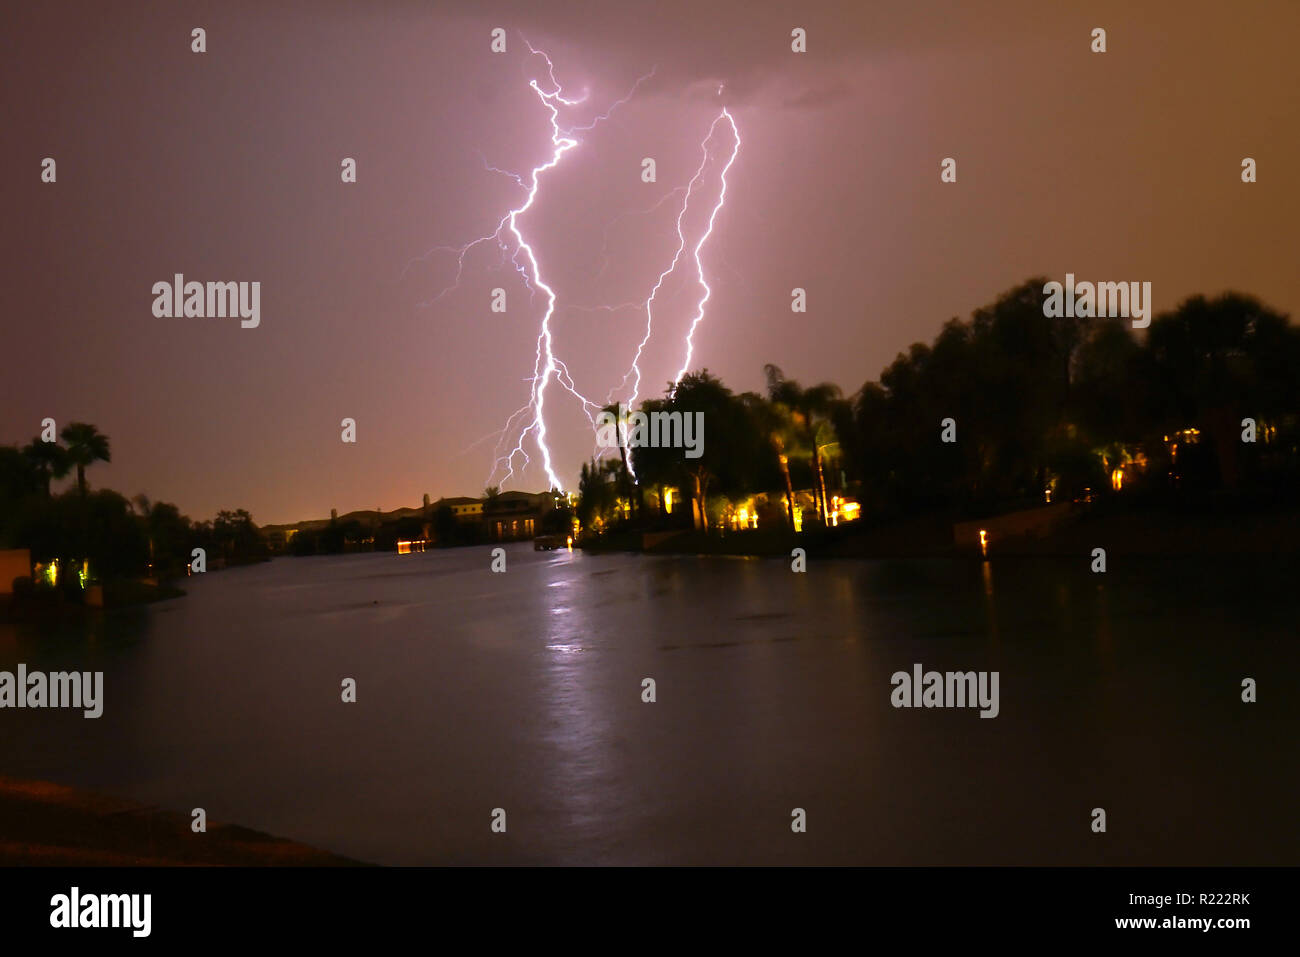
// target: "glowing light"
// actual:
[[744, 518], [984, 543], [635, 370], [699, 266], [508, 234], [530, 419]]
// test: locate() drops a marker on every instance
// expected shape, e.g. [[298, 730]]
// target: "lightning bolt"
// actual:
[[510, 238], [530, 419], [699, 266], [542, 373], [634, 372]]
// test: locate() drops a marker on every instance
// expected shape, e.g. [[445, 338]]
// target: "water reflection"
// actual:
[[524, 691]]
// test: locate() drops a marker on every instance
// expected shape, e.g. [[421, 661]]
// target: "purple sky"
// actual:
[[225, 166]]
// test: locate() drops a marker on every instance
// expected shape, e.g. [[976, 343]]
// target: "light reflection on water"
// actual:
[[523, 690]]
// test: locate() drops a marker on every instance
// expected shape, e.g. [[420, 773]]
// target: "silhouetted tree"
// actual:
[[86, 446], [50, 460]]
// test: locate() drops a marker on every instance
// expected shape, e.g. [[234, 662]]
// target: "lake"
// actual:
[[523, 691]]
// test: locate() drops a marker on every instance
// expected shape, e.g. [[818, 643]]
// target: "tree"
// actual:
[[169, 535], [626, 487], [776, 421], [730, 452], [657, 467], [20, 483], [597, 496], [49, 459], [1217, 360], [813, 409], [236, 537], [444, 526], [86, 446], [1111, 398], [115, 544]]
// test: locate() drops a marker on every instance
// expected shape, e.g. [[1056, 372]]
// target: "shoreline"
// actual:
[[1249, 534], [1149, 534], [44, 824]]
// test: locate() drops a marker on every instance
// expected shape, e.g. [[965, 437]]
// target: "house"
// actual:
[[463, 508], [513, 516]]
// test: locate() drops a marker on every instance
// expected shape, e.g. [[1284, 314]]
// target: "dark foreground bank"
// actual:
[[46, 824]]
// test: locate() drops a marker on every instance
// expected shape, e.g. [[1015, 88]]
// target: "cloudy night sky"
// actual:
[[225, 166]]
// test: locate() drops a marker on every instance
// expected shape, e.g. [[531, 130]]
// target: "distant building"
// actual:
[[512, 516], [463, 508], [508, 516]]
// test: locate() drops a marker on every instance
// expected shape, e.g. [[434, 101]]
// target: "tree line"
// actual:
[[1005, 409], [118, 537]]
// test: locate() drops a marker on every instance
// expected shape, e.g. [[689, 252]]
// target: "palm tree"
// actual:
[[86, 446], [49, 459], [816, 405], [776, 422], [812, 408], [625, 483]]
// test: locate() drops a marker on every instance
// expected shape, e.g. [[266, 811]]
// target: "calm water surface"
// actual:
[[523, 691]]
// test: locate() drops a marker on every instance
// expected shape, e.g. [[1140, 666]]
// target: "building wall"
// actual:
[[14, 563], [514, 528]]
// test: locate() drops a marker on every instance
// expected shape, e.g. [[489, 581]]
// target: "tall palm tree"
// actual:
[[86, 446], [812, 408], [816, 405], [625, 482], [777, 423], [49, 459]]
